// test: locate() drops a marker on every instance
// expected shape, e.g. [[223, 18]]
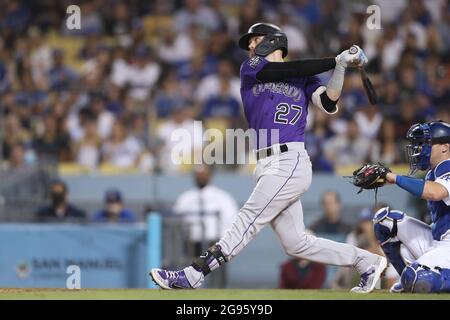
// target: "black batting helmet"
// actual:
[[274, 39]]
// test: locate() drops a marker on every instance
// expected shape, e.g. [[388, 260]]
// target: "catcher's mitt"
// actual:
[[370, 176]]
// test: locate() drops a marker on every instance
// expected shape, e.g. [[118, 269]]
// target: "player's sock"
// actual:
[[209, 261], [194, 277]]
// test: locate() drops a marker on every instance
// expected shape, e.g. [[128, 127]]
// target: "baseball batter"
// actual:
[[419, 252], [276, 95]]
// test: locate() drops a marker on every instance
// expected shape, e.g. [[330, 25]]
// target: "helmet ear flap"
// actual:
[[265, 47], [270, 43]]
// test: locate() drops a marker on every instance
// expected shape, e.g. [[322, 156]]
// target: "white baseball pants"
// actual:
[[280, 181]]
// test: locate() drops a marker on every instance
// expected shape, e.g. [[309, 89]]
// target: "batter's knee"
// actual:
[[385, 224], [295, 249]]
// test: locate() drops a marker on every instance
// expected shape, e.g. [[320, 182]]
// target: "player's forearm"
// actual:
[[336, 82], [428, 190], [279, 71], [321, 99]]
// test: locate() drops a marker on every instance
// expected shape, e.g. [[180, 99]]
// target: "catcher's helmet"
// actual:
[[422, 136], [274, 39]]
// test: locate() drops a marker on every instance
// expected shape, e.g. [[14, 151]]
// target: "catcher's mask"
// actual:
[[273, 39], [422, 136]]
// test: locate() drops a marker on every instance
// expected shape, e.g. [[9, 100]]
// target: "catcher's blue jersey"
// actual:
[[440, 210], [281, 106]]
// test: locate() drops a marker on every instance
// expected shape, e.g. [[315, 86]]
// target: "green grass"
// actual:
[[206, 294]]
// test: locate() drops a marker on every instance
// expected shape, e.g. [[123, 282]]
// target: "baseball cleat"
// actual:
[[370, 278], [397, 288], [170, 279]]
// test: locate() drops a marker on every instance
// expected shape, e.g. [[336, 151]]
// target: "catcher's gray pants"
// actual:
[[281, 180], [418, 243]]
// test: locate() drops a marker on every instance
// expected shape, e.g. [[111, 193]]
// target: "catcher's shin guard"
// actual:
[[210, 260], [445, 276], [385, 227], [418, 278], [392, 252]]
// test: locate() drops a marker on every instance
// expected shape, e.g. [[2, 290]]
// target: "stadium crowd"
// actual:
[[111, 92]]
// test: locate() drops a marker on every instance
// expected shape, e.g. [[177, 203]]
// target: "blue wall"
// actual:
[[35, 255]]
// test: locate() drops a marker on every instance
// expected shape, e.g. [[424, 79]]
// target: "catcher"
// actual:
[[419, 252]]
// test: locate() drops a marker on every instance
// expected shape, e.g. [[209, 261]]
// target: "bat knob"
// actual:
[[353, 50]]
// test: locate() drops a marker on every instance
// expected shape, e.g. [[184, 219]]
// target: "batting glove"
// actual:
[[354, 56]]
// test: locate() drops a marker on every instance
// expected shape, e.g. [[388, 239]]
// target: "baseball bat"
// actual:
[[368, 86]]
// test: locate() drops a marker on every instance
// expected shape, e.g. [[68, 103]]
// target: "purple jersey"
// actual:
[[282, 106]]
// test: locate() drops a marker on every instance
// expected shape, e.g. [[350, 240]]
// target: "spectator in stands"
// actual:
[[331, 222], [298, 43], [175, 47], [87, 149], [443, 25], [297, 273], [389, 97], [443, 114], [194, 12], [441, 87], [143, 74], [140, 75], [212, 85], [207, 210], [363, 235], [13, 134], [105, 118], [91, 21], [116, 96], [195, 70], [60, 75], [220, 44], [20, 157], [390, 47], [384, 149], [114, 210], [250, 14], [178, 140], [59, 209], [315, 139], [97, 67], [51, 142], [222, 106], [169, 96], [408, 80], [121, 20], [121, 149], [369, 120], [350, 148], [40, 58]]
